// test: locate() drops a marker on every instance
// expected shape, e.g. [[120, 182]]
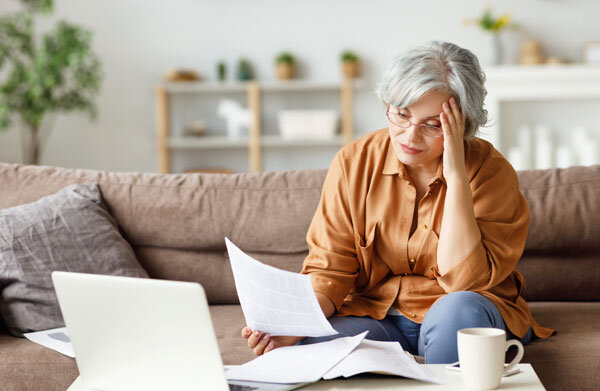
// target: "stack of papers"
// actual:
[[345, 357], [279, 302]]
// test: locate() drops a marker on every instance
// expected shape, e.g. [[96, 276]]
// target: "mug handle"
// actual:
[[516, 360]]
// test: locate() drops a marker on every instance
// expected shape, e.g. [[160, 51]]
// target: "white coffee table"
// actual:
[[526, 380]]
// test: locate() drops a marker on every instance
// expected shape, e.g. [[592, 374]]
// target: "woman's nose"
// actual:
[[413, 132]]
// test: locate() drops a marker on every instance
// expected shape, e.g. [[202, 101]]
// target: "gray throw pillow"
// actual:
[[70, 230]]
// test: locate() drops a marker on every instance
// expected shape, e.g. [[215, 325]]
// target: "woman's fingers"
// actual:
[[445, 126], [449, 114], [270, 346], [254, 339], [455, 110], [459, 118], [246, 332], [259, 349]]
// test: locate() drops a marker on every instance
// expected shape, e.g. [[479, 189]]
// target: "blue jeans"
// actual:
[[435, 339]]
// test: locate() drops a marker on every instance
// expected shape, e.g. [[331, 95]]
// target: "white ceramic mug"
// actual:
[[481, 353]]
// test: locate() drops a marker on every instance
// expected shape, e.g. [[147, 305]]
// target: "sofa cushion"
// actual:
[[228, 321], [570, 276], [68, 231], [562, 203], [566, 361], [560, 260], [569, 359], [25, 365]]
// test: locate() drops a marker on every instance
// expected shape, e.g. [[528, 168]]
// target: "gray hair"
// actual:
[[440, 66]]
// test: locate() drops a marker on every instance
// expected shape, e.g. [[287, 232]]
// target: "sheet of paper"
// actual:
[[55, 339], [296, 364], [276, 301], [381, 357]]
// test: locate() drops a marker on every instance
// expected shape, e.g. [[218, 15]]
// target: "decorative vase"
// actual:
[[350, 69], [496, 49]]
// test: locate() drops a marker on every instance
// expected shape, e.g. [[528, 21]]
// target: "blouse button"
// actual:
[[424, 226], [414, 315], [412, 261]]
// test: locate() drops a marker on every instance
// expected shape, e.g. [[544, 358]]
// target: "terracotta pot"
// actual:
[[285, 71], [350, 69]]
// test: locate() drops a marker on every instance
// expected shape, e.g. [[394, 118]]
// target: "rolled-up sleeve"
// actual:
[[331, 260], [502, 215]]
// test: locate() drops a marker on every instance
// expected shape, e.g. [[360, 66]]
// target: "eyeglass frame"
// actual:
[[418, 126]]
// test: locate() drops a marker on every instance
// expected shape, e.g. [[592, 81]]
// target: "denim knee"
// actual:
[[455, 311], [465, 307]]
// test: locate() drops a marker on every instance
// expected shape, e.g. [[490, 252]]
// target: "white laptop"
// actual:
[[143, 334]]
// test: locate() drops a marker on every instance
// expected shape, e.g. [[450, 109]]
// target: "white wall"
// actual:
[[138, 40]]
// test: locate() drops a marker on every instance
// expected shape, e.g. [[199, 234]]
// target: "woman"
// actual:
[[420, 226]]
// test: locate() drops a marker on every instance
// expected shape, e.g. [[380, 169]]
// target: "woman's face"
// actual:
[[412, 147]]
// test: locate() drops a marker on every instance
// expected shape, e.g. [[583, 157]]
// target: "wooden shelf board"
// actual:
[[208, 142], [278, 141], [241, 87], [205, 142]]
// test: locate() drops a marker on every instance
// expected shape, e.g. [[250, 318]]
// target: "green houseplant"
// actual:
[[285, 66], [350, 64], [244, 70], [43, 75]]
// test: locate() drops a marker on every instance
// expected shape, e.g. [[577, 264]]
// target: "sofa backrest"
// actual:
[[176, 222], [561, 260]]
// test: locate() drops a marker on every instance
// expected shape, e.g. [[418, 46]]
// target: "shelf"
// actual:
[[543, 82], [205, 142], [201, 86], [209, 142], [278, 141], [241, 87], [536, 83], [529, 73], [256, 140]]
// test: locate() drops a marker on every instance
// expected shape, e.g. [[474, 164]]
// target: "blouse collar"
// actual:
[[393, 166]]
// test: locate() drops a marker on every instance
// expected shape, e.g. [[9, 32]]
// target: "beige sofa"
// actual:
[[176, 225]]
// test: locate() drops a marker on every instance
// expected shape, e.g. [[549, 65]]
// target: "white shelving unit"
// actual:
[[562, 88], [260, 136]]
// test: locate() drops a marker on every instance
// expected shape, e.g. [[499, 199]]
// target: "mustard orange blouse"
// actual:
[[360, 253]]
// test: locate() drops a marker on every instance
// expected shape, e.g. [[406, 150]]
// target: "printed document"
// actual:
[[380, 357], [296, 364], [346, 356], [276, 301], [55, 339]]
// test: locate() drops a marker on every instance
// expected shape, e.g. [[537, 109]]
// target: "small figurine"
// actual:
[[236, 116], [531, 53]]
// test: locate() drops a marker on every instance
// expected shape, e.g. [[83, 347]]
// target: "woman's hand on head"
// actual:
[[453, 126], [263, 343]]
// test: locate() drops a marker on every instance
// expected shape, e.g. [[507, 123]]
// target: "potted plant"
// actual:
[[492, 26], [284, 64], [221, 71], [39, 76], [244, 70], [350, 64]]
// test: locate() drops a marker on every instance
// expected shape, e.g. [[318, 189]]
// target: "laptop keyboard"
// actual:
[[240, 387]]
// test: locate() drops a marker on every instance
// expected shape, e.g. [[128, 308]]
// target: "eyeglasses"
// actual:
[[401, 121]]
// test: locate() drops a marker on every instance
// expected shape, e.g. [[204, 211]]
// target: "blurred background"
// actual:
[[197, 85]]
